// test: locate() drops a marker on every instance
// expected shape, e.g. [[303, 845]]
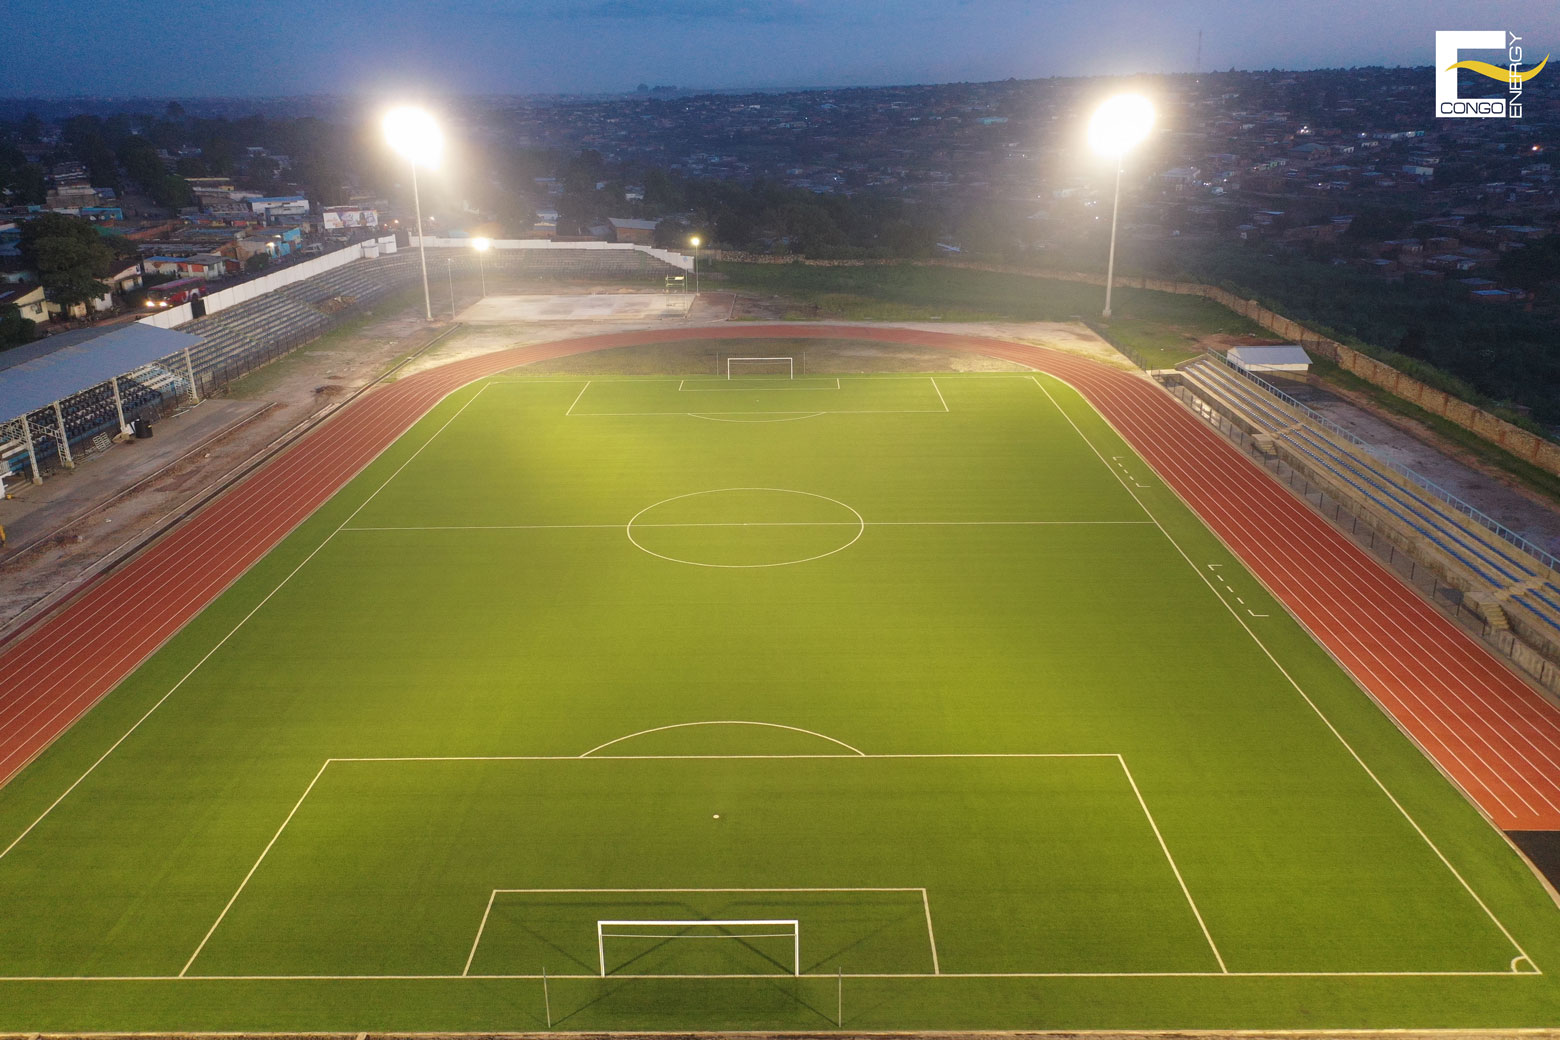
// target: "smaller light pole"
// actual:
[[449, 273], [1118, 125], [482, 245], [694, 241]]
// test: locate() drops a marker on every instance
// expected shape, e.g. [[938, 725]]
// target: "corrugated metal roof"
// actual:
[[52, 369]]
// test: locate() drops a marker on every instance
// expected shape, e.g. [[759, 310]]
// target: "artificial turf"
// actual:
[[998, 676]]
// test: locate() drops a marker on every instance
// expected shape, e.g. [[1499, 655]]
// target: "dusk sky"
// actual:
[[285, 47]]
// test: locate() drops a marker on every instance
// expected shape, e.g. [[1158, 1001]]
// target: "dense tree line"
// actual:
[[1503, 352]]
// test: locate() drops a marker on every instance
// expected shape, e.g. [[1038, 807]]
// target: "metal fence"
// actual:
[[1421, 481], [1422, 573]]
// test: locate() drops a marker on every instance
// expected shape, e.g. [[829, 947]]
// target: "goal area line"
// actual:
[[795, 934]]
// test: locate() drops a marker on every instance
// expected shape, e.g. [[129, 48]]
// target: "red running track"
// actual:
[[1492, 733]]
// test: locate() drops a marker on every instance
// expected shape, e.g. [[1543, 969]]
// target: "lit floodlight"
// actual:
[[414, 135], [1120, 124], [482, 245], [694, 241], [1117, 126]]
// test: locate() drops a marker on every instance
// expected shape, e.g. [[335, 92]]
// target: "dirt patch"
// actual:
[[67, 529], [1412, 444]]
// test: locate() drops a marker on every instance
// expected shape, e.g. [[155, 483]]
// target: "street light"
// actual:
[[694, 241], [1118, 126], [413, 135], [482, 245]]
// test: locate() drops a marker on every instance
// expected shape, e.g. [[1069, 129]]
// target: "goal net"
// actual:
[[740, 367], [628, 941]]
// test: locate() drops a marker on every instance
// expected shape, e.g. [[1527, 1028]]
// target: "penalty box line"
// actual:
[[570, 412], [926, 906], [588, 757]]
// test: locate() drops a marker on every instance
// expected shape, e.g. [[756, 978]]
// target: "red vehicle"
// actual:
[[171, 294]]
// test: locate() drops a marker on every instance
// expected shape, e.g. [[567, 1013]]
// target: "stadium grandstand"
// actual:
[[1505, 579], [68, 396]]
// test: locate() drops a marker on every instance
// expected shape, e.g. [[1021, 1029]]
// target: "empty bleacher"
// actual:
[[240, 337], [1498, 568], [248, 334], [87, 415]]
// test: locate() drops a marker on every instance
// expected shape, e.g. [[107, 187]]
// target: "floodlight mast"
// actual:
[[482, 245], [694, 241], [412, 134], [1118, 125]]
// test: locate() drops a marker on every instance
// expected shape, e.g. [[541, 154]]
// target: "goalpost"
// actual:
[[721, 929], [775, 365]]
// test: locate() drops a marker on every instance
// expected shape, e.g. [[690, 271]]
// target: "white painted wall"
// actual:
[[666, 255], [226, 298]]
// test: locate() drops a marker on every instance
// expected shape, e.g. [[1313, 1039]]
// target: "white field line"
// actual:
[[1224, 971], [585, 757], [940, 397], [696, 758], [765, 523], [856, 378], [361, 506], [931, 936], [789, 417], [268, 846], [1285, 672], [819, 975], [723, 722], [576, 397], [234, 630], [830, 411], [480, 929], [1187, 892]]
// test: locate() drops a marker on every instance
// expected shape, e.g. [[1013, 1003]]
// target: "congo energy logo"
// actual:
[[1447, 61]]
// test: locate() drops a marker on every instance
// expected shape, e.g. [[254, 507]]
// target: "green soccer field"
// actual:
[[906, 702]]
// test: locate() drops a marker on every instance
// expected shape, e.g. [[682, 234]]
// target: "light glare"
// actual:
[[414, 135], [481, 245], [1120, 123]]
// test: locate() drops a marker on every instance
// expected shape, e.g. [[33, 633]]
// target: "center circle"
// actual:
[[745, 527]]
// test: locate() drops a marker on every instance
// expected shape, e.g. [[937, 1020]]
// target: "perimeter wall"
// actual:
[[1524, 444]]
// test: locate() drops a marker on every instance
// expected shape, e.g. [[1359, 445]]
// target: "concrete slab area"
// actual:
[[579, 307], [1518, 509], [35, 513]]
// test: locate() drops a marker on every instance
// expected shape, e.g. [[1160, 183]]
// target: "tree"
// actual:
[[68, 254], [22, 180], [15, 329], [256, 263]]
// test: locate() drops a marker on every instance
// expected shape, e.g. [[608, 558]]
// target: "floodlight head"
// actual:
[[482, 245], [414, 135], [1120, 124], [694, 241]]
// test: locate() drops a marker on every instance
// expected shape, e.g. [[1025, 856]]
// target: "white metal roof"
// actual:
[[38, 374], [1288, 357]]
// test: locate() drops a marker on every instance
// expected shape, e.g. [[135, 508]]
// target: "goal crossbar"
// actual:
[[794, 933], [790, 363]]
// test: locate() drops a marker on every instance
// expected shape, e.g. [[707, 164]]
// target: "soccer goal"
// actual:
[[738, 367], [622, 932]]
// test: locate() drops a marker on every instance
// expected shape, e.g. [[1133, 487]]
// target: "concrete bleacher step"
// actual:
[[1508, 575]]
